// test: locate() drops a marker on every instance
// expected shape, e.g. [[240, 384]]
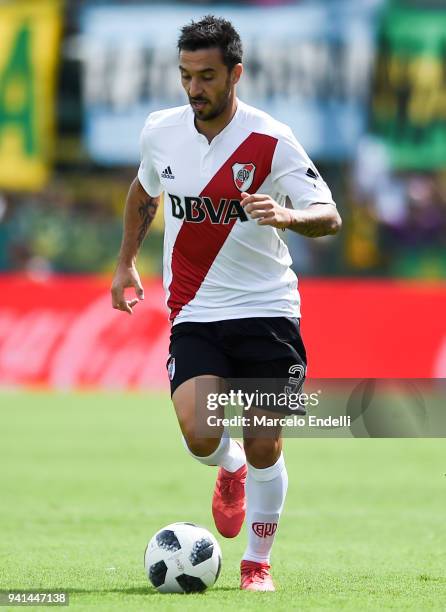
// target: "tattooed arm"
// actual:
[[140, 210], [314, 221]]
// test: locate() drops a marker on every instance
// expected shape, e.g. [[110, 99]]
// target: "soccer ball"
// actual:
[[182, 558]]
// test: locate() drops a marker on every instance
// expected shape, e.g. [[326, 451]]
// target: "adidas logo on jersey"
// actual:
[[167, 173], [312, 174]]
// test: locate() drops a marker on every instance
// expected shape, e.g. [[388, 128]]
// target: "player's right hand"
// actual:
[[125, 277]]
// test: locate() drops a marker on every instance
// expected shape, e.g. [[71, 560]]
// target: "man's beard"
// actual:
[[216, 111]]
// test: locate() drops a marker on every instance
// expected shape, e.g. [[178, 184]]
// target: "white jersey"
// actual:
[[219, 263]]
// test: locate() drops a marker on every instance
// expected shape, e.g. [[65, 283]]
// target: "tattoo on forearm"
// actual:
[[316, 224], [147, 211], [313, 228]]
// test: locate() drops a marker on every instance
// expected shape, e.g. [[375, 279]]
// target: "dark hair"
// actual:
[[212, 32]]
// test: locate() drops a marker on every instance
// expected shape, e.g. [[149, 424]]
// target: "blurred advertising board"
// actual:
[[409, 101], [29, 42], [62, 332], [308, 65]]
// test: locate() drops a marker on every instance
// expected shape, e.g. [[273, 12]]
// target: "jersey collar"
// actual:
[[227, 128]]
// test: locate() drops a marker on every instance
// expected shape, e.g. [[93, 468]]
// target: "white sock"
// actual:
[[265, 495], [228, 454]]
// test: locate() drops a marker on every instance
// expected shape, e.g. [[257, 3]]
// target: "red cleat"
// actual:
[[255, 576], [229, 501]]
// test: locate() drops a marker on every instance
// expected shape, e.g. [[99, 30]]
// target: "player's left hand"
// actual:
[[266, 210]]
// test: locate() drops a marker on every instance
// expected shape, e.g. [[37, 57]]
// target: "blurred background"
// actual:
[[363, 85]]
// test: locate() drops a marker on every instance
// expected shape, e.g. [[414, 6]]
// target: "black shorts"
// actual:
[[253, 348]]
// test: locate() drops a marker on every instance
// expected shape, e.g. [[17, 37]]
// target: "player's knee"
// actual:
[[262, 452], [200, 447]]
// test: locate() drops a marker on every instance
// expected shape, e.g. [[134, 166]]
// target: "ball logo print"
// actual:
[[263, 530], [243, 175], [180, 566]]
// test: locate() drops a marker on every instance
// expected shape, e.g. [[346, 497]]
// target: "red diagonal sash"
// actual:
[[198, 244]]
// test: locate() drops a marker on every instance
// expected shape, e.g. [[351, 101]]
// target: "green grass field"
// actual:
[[86, 479]]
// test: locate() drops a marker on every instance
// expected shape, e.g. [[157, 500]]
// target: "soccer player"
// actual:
[[227, 170]]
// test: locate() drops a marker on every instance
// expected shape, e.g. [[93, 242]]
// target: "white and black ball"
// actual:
[[182, 558]]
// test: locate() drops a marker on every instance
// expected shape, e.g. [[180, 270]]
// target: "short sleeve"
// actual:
[[294, 175], [147, 173]]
